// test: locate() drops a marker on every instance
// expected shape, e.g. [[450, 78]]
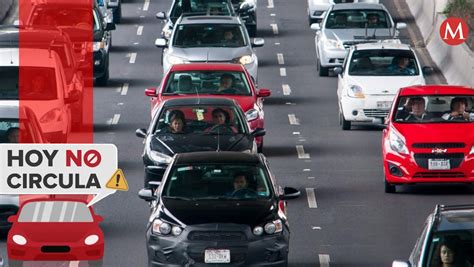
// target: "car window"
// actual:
[[209, 35], [9, 85], [52, 15], [200, 120], [208, 7], [208, 82], [55, 211], [383, 62], [360, 18], [233, 181], [435, 109], [456, 246]]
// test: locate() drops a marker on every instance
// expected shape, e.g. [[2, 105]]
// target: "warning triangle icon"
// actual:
[[117, 181]]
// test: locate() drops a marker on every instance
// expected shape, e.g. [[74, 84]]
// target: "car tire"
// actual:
[[323, 71], [14, 263], [118, 14], [389, 188], [345, 125]]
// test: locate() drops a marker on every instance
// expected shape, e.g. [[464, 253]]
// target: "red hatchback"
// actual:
[[226, 80], [55, 230], [429, 137]]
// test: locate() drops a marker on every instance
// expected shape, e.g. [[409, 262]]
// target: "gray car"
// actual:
[[210, 39], [350, 24]]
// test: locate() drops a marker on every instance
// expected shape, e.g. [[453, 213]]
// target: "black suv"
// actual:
[[218, 208], [447, 238]]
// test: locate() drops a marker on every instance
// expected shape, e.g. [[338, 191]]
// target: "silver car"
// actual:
[[317, 8], [350, 24], [210, 39]]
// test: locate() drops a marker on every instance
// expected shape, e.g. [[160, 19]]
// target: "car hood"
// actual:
[[438, 132], [180, 143], [384, 85], [348, 34], [214, 54], [55, 232], [250, 212]]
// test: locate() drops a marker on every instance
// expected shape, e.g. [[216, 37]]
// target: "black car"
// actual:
[[218, 207], [447, 237], [201, 132]]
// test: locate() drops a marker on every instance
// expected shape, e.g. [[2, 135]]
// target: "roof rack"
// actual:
[[455, 207]]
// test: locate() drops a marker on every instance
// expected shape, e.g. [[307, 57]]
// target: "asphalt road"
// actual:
[[343, 217]]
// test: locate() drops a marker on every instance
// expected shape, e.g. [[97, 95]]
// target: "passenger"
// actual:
[[458, 110], [372, 20], [13, 135], [400, 65], [417, 113], [177, 122], [449, 256]]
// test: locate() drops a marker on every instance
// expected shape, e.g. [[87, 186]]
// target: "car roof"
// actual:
[[208, 66], [383, 45], [9, 57], [217, 157], [10, 38], [209, 20], [9, 109], [436, 90], [192, 101], [353, 6], [458, 217]]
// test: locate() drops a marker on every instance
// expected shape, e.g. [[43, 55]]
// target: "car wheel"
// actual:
[[14, 263], [323, 71], [389, 188], [345, 125], [98, 263], [118, 14]]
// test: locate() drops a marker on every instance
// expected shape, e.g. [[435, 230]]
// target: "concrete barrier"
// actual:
[[456, 62]]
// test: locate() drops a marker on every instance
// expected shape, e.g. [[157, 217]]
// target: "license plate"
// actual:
[[438, 164], [384, 104], [217, 256]]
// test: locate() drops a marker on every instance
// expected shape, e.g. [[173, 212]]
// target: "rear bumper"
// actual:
[[365, 109]]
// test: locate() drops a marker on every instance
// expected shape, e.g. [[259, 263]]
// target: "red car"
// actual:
[[55, 230], [429, 137], [228, 80]]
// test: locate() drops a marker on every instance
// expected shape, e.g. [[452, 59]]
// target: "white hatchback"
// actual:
[[370, 78]]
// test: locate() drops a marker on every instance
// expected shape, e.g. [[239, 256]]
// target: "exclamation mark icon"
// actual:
[[117, 179]]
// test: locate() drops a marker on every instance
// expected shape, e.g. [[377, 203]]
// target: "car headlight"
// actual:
[[19, 239], [251, 114], [91, 240], [397, 143], [159, 157], [355, 91], [472, 150], [273, 227], [52, 115], [175, 60], [98, 45], [163, 228], [258, 230], [332, 44], [248, 59]]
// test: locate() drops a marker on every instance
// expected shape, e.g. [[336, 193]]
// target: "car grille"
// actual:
[[216, 236], [55, 249], [377, 113], [439, 175], [234, 257], [439, 145], [455, 159]]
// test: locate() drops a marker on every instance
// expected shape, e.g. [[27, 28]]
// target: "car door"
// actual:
[[341, 79]]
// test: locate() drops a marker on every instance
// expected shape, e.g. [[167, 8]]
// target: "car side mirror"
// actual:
[[99, 218], [150, 92], [398, 263], [74, 96], [110, 26], [244, 7], [140, 133], [258, 132], [427, 70], [161, 43], [316, 26], [338, 70], [258, 42], [161, 15], [400, 25], [13, 219], [290, 193], [264, 92], [146, 194]]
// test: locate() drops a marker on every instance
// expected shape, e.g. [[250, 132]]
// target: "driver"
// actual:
[[221, 119], [241, 186], [226, 83]]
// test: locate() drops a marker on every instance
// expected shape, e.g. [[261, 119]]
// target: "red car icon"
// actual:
[[55, 230]]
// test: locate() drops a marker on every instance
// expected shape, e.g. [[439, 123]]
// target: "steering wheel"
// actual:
[[244, 192], [221, 129]]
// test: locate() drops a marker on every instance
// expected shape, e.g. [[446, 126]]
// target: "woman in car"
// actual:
[[458, 110], [177, 122], [450, 256], [221, 120]]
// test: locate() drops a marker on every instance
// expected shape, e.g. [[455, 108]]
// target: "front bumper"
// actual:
[[366, 109], [34, 251], [246, 250], [331, 57]]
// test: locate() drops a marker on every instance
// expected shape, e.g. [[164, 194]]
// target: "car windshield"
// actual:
[[435, 109], [357, 18], [200, 7], [225, 120], [207, 82], [209, 35], [217, 181], [383, 62], [456, 247], [40, 84], [55, 211], [65, 16]]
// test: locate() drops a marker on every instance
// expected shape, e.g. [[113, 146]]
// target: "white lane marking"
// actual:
[[272, 15], [125, 89], [140, 30], [310, 177], [311, 198], [277, 43], [133, 58], [282, 72], [136, 43], [324, 260], [286, 89], [270, 4], [316, 227], [301, 154], [293, 120], [280, 58], [74, 264], [274, 28], [296, 133], [120, 104], [306, 170], [115, 119], [146, 5]]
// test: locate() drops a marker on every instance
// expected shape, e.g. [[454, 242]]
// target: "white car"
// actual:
[[370, 78], [317, 8]]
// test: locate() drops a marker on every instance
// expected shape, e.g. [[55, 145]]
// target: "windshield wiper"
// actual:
[[178, 198]]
